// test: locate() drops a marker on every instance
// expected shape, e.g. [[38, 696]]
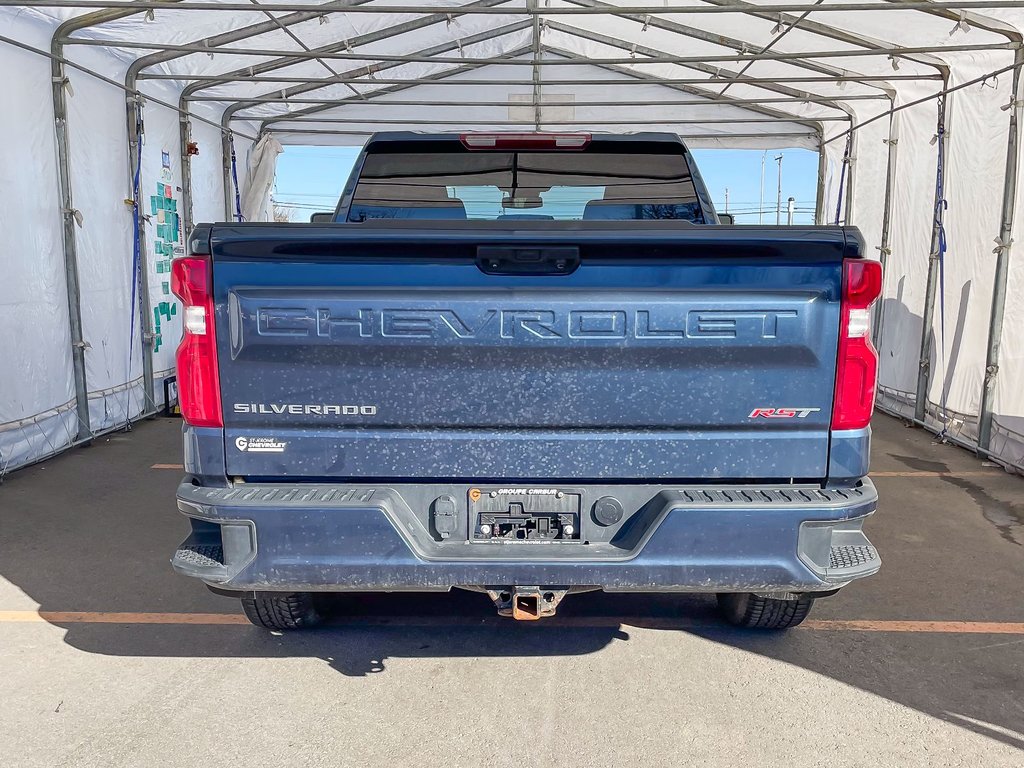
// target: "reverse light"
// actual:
[[857, 361], [525, 140], [198, 375], [195, 320]]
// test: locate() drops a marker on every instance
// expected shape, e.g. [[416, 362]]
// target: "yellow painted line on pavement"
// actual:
[[168, 466], [103, 617], [222, 619], [965, 473], [941, 627]]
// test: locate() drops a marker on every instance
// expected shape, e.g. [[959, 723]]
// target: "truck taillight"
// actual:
[[857, 364], [198, 377]]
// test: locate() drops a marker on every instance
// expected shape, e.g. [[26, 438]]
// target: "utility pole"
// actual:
[[791, 208], [726, 199], [760, 205], [778, 199]]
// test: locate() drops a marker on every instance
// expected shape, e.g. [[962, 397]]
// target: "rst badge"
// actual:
[[782, 413]]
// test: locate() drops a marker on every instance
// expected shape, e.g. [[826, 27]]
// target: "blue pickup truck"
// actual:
[[527, 365]]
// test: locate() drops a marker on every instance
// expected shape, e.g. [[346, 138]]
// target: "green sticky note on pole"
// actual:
[[153, 205]]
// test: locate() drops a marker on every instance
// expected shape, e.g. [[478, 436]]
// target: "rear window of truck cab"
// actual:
[[446, 180]]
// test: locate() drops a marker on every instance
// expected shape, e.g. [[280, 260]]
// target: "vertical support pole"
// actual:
[[924, 360], [851, 171], [819, 201], [225, 152], [68, 216], [537, 97], [883, 248], [184, 137], [1010, 181], [134, 121]]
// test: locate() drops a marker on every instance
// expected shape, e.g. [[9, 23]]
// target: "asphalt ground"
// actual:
[[107, 658]]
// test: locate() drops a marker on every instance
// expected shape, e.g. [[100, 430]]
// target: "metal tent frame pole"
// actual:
[[74, 294], [819, 198], [934, 258], [243, 77], [1003, 253], [900, 51], [669, 8], [59, 78], [597, 37], [438, 77], [892, 141], [134, 74], [135, 106]]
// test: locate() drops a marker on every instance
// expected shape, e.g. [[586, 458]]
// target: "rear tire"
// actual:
[[280, 610], [745, 609]]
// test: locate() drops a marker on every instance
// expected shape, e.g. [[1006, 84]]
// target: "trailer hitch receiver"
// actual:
[[526, 603]]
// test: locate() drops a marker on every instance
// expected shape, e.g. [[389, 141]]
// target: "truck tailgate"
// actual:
[[363, 352]]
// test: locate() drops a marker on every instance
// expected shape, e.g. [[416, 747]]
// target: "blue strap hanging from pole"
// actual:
[[136, 247], [842, 176], [234, 179], [941, 205]]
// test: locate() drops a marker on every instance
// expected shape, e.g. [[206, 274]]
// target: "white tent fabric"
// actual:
[[259, 180], [164, 91]]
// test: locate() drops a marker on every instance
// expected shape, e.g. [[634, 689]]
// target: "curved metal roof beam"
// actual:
[[696, 91], [975, 19], [232, 36], [317, 84], [702, 34], [276, 95], [296, 18], [64, 30], [597, 37], [389, 89], [802, 95], [289, 5], [240, 75], [814, 128], [821, 29], [834, 33]]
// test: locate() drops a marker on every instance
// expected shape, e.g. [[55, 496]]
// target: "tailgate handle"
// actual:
[[527, 260]]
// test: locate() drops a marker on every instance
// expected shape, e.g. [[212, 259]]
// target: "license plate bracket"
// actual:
[[524, 514]]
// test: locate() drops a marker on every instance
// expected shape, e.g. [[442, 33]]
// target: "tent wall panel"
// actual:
[[1008, 407], [902, 307], [97, 138], [37, 409], [976, 148], [161, 200], [869, 164], [207, 175]]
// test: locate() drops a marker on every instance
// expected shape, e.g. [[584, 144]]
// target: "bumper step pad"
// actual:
[[851, 556]]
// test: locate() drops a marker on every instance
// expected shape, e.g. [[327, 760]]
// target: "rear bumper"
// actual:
[[307, 537]]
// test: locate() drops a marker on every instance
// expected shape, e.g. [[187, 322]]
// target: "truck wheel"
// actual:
[[745, 609], [280, 610]]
